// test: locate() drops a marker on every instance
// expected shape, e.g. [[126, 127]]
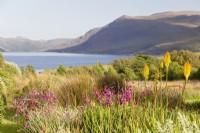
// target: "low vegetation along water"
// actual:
[[47, 60], [141, 94]]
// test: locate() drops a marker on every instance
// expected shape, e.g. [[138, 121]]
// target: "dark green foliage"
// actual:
[[193, 106], [139, 61], [129, 74], [175, 71], [180, 57], [185, 55], [62, 70], [123, 67], [196, 74], [120, 64], [152, 62], [132, 68]]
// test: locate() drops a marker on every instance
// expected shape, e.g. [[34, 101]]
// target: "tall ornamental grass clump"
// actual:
[[55, 120], [136, 119], [74, 89]]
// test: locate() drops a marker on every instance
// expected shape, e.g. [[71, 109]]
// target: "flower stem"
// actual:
[[166, 88], [182, 94], [161, 91]]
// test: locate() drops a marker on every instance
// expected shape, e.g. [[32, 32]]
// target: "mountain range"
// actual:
[[152, 34]]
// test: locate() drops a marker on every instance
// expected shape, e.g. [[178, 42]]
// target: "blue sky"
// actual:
[[48, 19]]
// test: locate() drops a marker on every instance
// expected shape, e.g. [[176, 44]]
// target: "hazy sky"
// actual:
[[48, 19]]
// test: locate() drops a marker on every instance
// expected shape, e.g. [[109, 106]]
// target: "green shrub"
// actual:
[[12, 68], [120, 64], [46, 119], [129, 74], [175, 71], [132, 68], [184, 55], [196, 74], [111, 71], [7, 84], [139, 61], [62, 70], [98, 69]]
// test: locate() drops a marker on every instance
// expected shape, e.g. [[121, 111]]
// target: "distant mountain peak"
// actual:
[[177, 13], [125, 17], [143, 34], [22, 38]]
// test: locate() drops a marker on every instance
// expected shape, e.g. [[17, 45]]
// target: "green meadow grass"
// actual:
[[8, 126]]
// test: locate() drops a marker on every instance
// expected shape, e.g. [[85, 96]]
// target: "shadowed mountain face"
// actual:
[[153, 34], [150, 34]]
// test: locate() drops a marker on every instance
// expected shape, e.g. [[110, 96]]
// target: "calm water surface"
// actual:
[[48, 60]]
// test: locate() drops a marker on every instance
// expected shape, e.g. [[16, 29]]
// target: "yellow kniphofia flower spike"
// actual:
[[146, 72], [186, 69], [167, 59]]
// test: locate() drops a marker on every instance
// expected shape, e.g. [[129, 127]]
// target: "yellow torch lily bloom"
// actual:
[[167, 59], [186, 69], [146, 72]]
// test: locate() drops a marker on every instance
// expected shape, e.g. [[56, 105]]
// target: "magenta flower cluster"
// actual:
[[126, 96], [104, 97], [33, 100]]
